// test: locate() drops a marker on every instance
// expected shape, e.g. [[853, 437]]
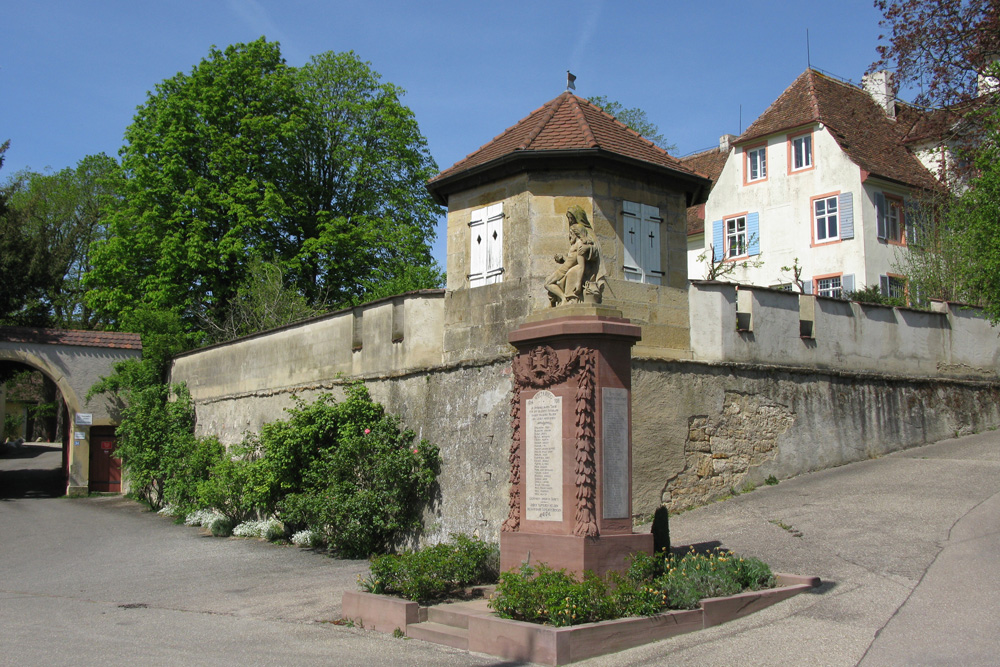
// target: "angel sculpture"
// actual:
[[580, 276]]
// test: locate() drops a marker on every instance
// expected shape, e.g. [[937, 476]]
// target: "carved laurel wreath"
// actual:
[[539, 369]]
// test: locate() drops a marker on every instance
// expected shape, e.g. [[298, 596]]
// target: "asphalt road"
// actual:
[[906, 545]]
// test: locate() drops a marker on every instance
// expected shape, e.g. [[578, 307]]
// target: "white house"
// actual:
[[822, 180]]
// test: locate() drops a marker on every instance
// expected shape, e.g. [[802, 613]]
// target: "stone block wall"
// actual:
[[702, 431]]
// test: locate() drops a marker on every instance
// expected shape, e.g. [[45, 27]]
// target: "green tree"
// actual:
[[975, 217], [58, 216], [263, 301], [318, 170], [635, 118]]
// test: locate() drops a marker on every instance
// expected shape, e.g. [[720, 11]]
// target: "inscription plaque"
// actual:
[[614, 405], [543, 458]]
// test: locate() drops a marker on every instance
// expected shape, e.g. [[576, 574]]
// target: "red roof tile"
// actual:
[[110, 339], [567, 123], [709, 163], [870, 138]]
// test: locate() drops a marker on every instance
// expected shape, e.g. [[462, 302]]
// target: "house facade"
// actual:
[[819, 194]]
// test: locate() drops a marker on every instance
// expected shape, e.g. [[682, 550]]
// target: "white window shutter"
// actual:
[[847, 283], [846, 206], [478, 250], [807, 286], [631, 233], [650, 247], [880, 223], [494, 244], [883, 282]]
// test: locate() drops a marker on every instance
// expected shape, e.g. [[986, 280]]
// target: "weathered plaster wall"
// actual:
[[702, 430], [954, 342], [384, 337]]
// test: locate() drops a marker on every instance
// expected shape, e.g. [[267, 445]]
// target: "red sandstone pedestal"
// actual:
[[571, 454]]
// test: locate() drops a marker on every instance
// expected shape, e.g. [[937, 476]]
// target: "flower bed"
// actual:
[[549, 645]]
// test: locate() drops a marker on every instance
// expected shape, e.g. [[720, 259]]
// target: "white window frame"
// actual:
[[833, 287], [802, 152], [736, 235], [486, 246], [641, 233], [756, 159], [825, 216]]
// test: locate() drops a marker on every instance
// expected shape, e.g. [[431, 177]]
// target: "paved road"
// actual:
[[907, 545]]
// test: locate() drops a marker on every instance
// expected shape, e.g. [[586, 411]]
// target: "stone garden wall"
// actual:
[[757, 400]]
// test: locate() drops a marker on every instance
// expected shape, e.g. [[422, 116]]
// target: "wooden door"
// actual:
[[105, 468]]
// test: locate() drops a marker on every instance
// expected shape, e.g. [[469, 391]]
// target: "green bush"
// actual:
[[344, 470], [435, 572], [237, 485], [349, 472], [650, 585]]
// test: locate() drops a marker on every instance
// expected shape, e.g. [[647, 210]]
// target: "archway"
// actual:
[[74, 361]]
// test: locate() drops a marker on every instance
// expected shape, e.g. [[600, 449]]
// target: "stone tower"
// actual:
[[507, 205]]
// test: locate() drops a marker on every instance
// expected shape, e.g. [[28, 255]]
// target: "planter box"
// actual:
[[548, 645]]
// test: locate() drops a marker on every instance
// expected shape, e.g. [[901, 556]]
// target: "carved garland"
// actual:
[[540, 369]]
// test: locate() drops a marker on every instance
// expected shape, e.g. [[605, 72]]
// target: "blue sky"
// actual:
[[72, 73]]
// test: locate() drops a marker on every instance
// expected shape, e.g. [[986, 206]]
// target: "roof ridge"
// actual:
[[553, 106], [581, 118], [633, 132]]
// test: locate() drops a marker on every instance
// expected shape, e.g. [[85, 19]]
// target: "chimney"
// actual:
[[725, 142], [881, 86]]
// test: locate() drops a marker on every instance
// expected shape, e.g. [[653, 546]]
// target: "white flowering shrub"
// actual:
[[268, 529], [167, 510], [201, 518], [305, 538]]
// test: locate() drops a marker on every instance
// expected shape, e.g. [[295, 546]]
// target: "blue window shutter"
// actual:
[[846, 201], [847, 283], [718, 241], [880, 225], [753, 233]]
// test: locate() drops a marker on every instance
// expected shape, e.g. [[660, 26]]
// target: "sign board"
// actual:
[[79, 435], [84, 419]]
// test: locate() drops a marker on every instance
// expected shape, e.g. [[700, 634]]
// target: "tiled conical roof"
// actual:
[[567, 124], [870, 138]]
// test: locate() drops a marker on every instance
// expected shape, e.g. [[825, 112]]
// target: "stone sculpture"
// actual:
[[580, 276]]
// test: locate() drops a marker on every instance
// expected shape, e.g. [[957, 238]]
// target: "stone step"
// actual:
[[456, 614], [439, 633]]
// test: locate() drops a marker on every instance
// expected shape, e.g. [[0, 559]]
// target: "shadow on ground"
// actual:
[[17, 481]]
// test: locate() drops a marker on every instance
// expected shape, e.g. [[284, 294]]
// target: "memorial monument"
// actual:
[[571, 456]]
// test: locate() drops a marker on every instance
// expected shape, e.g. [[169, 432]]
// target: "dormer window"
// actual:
[[756, 167]]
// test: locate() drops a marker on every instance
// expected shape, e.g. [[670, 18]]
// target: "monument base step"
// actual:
[[575, 554]]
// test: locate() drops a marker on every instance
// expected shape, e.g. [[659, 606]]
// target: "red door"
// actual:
[[105, 469]]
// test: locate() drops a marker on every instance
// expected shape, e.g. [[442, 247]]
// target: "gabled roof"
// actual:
[[870, 138], [112, 339], [567, 126]]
